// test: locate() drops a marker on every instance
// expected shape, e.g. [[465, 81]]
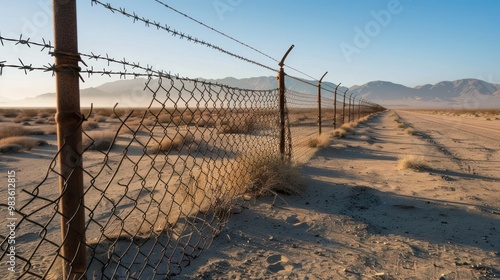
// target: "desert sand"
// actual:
[[362, 217]]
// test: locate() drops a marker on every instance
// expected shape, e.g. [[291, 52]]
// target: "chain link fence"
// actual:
[[159, 182]]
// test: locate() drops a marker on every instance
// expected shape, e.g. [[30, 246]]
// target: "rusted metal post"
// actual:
[[359, 108], [349, 112], [343, 108], [353, 103], [349, 116], [69, 140], [335, 107], [319, 102], [281, 89]]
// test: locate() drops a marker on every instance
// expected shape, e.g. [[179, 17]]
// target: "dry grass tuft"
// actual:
[[348, 127], [339, 133], [238, 124], [321, 141], [98, 140], [17, 130], [9, 113], [412, 162], [270, 175], [410, 131], [90, 125], [17, 143], [178, 142], [402, 125], [100, 118], [205, 121], [247, 176], [49, 130]]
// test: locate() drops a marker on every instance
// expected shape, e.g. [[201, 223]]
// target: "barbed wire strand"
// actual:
[[175, 33], [217, 31]]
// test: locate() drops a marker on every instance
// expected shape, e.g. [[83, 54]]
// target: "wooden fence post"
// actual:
[[69, 139]]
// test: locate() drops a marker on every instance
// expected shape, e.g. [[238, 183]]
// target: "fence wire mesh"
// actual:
[[159, 179], [159, 182]]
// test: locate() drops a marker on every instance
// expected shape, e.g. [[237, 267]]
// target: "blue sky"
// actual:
[[403, 41]]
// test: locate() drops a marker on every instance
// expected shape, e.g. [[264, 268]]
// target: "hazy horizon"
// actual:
[[404, 42]]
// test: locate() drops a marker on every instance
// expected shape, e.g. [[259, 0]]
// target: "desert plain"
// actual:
[[400, 195]]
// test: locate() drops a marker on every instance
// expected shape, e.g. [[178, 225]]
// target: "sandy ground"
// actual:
[[364, 218], [361, 217]]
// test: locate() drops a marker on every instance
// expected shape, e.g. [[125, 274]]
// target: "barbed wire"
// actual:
[[215, 30], [149, 71], [233, 39], [175, 33]]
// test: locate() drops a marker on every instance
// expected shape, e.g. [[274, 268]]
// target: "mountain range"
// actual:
[[465, 93]]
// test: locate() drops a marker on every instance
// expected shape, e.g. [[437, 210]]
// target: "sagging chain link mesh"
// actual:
[[159, 182]]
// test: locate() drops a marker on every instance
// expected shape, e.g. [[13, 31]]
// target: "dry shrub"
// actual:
[[40, 121], [17, 130], [98, 140], [321, 141], [100, 118], [401, 125], [412, 162], [410, 131], [348, 127], [28, 113], [221, 183], [265, 175], [205, 121], [13, 130], [17, 143], [244, 124], [165, 118], [107, 112], [178, 142], [49, 130], [44, 115], [90, 125], [9, 113], [339, 133]]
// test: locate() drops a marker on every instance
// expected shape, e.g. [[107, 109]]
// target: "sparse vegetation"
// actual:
[[321, 141], [237, 124], [412, 162], [410, 131], [17, 130], [98, 140], [18, 143], [90, 125], [257, 176], [339, 133], [179, 141]]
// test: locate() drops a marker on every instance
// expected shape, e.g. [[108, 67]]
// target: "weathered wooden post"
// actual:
[[281, 90], [319, 102], [69, 140]]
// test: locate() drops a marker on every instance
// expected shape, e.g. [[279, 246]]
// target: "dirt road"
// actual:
[[363, 218]]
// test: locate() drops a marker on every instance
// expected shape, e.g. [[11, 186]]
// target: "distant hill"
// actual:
[[468, 93]]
